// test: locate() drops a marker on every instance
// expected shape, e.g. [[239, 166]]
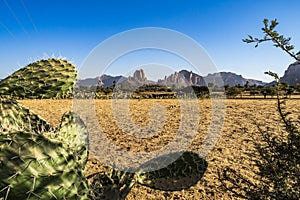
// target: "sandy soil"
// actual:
[[231, 149]]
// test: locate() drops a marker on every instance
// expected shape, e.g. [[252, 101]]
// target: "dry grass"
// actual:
[[230, 150]]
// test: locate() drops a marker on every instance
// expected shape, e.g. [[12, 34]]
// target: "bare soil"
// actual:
[[235, 142]]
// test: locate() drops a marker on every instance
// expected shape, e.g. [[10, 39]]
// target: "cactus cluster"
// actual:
[[50, 78], [38, 161]]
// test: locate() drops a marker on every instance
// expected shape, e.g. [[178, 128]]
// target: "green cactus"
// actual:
[[14, 117], [48, 165], [73, 133], [112, 184], [44, 163], [51, 78], [36, 160], [35, 167]]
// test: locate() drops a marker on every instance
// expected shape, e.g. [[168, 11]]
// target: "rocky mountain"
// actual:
[[182, 78], [231, 79], [139, 76], [107, 80], [174, 79], [104, 80], [88, 82], [192, 78], [138, 79], [292, 74]]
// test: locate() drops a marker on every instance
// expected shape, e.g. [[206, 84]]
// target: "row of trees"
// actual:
[[254, 90], [144, 91], [160, 91]]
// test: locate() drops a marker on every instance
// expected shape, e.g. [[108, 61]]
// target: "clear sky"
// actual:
[[32, 29]]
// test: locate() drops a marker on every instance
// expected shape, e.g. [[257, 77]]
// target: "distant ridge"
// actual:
[[182, 78], [104, 80], [231, 79]]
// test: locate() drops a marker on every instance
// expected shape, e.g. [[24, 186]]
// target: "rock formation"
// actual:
[[185, 78], [139, 75], [292, 74]]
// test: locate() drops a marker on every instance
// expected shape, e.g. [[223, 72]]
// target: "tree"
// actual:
[[268, 91], [253, 92], [297, 88], [246, 86], [199, 91], [233, 91], [287, 89], [210, 85], [278, 159], [226, 87]]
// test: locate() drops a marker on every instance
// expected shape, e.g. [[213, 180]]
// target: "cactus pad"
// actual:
[[73, 133], [51, 78], [34, 167], [14, 117]]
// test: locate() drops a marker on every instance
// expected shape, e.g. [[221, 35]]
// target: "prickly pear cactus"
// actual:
[[73, 133], [51, 78], [112, 184], [14, 117], [44, 164], [36, 160], [34, 167]]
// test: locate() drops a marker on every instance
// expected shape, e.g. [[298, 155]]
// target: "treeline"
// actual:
[[153, 91], [270, 91], [156, 91]]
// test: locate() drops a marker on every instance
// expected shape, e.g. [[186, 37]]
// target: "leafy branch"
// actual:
[[272, 35], [278, 155]]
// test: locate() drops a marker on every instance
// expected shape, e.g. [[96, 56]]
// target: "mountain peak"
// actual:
[[139, 75], [182, 78]]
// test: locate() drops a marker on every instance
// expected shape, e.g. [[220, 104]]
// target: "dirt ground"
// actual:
[[232, 148]]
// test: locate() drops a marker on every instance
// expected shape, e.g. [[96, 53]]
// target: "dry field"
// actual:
[[231, 149]]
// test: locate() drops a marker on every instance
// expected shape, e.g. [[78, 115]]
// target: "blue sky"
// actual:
[[32, 29]]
